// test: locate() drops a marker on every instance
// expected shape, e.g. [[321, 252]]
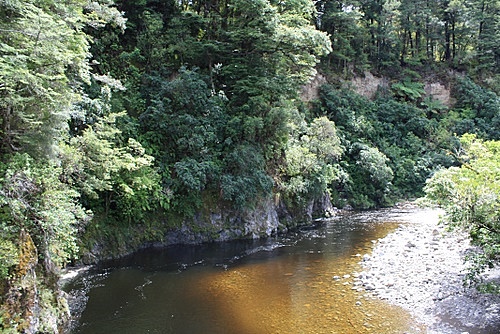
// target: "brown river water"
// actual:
[[298, 283]]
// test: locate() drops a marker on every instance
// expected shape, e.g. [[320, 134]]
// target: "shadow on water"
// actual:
[[298, 283]]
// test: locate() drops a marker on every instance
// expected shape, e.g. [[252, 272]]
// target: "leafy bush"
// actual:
[[33, 199], [183, 129], [470, 195], [392, 135], [477, 110], [110, 175], [244, 178], [408, 90], [311, 162], [369, 177], [8, 255]]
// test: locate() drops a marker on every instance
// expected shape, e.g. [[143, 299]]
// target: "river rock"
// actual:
[[420, 267]]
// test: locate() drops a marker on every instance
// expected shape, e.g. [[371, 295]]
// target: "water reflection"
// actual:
[[282, 285]]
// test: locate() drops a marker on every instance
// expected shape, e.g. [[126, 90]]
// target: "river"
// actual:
[[298, 283]]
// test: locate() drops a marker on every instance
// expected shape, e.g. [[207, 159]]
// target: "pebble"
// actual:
[[420, 267]]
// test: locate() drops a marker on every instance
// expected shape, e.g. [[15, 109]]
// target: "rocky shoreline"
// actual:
[[420, 267]]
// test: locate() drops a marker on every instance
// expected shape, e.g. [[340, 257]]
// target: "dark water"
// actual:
[[280, 285]]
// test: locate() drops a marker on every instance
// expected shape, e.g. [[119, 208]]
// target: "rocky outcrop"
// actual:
[[440, 92], [20, 304], [224, 224], [368, 84], [268, 218], [28, 305], [216, 224], [310, 91]]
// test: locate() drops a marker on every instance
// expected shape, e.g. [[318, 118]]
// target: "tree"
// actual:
[[454, 18], [485, 15], [341, 20], [111, 175], [311, 162], [269, 45], [34, 200], [184, 129], [44, 62], [44, 57], [477, 109], [470, 196]]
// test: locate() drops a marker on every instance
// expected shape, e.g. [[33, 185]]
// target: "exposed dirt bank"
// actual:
[[420, 267]]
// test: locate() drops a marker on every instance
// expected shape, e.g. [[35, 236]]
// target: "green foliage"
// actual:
[[311, 162], [38, 49], [44, 56], [408, 90], [369, 178], [35, 200], [477, 110], [394, 135], [8, 255], [252, 58], [390, 36], [108, 172], [375, 163], [184, 128], [44, 69], [485, 16], [432, 106], [470, 195], [244, 180], [347, 36]]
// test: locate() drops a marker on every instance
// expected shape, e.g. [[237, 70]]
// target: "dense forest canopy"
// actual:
[[123, 114]]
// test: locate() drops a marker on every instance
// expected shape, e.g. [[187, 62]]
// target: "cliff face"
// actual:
[[368, 85], [31, 300], [217, 224], [20, 303]]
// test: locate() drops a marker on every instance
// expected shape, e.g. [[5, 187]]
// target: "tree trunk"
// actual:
[[6, 143], [447, 52]]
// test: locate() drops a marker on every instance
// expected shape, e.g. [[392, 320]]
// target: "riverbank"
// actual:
[[420, 267]]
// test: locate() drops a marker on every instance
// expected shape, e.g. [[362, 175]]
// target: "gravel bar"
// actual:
[[420, 267]]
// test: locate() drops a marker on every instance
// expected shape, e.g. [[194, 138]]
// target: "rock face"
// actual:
[[268, 218], [20, 304], [439, 92], [265, 220], [311, 91], [224, 225], [420, 267], [28, 304], [368, 84]]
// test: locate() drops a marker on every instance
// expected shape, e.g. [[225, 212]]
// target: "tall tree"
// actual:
[[486, 16], [44, 57], [341, 20], [381, 17], [44, 64]]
